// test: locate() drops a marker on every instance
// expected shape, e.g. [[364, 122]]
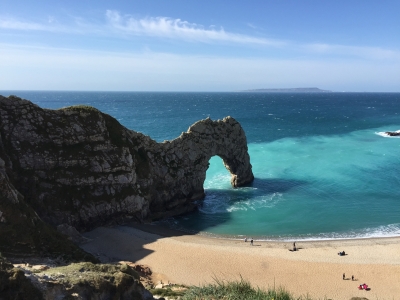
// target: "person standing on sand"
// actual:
[[344, 276], [294, 246], [251, 242]]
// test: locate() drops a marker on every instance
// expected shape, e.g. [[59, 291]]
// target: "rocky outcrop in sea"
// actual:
[[79, 167], [393, 133]]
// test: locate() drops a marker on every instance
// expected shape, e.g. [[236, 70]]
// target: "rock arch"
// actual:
[[192, 150], [224, 138], [79, 166]]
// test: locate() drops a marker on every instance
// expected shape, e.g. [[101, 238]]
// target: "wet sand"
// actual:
[[314, 269]]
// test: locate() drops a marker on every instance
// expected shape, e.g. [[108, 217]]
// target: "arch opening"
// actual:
[[217, 176]]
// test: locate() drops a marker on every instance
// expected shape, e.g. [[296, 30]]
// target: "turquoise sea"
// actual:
[[323, 169]]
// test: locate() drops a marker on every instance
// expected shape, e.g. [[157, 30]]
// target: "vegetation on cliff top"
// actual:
[[80, 108], [77, 280], [232, 290], [237, 290]]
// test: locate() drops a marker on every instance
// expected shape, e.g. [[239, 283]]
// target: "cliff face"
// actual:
[[79, 166], [75, 281]]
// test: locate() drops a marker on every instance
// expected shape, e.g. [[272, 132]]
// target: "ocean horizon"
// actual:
[[324, 167]]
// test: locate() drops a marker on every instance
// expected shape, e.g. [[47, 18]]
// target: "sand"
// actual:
[[315, 269]]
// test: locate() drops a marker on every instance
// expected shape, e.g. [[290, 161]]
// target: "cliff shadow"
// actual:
[[129, 242], [118, 243]]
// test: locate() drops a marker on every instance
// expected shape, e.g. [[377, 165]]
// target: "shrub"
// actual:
[[237, 290]]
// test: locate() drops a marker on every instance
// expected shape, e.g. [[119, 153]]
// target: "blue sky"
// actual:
[[199, 45]]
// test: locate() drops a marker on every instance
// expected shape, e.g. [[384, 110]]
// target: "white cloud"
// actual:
[[178, 29], [117, 25], [358, 51], [152, 26], [8, 23], [48, 25], [251, 25], [63, 69]]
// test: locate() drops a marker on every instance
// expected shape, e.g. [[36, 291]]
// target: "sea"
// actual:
[[324, 167]]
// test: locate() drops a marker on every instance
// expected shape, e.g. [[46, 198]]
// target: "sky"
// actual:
[[181, 45]]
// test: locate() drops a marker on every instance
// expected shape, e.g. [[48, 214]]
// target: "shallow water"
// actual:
[[323, 169]]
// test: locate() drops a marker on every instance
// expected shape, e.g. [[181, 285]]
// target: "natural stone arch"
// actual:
[[226, 139], [79, 166], [192, 151]]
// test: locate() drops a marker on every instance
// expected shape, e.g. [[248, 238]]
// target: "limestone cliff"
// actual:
[[79, 166], [75, 281]]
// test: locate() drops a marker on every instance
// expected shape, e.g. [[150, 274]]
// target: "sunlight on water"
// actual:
[[312, 187]]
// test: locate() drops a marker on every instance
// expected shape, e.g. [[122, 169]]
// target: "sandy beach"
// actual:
[[315, 269]]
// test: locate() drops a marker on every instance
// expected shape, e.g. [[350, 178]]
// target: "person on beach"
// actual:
[[294, 246], [344, 276], [245, 240], [251, 242], [352, 277]]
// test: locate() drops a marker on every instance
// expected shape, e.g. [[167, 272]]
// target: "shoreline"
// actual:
[[315, 269], [167, 232]]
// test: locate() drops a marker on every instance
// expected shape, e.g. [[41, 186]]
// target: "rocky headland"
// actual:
[[77, 168], [289, 90], [69, 170]]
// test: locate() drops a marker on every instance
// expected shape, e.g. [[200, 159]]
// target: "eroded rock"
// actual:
[[79, 166], [74, 281]]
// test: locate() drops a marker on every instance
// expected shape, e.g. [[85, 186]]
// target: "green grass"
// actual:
[[80, 108], [237, 290], [107, 269], [167, 292]]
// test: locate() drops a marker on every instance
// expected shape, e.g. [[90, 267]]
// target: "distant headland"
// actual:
[[289, 90]]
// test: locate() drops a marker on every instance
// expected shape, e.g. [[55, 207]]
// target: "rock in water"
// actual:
[[393, 133]]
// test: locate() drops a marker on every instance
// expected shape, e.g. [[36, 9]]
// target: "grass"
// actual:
[[96, 279], [237, 290], [80, 108], [88, 267], [173, 291]]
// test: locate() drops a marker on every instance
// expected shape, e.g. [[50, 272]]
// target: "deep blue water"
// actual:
[[322, 169]]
